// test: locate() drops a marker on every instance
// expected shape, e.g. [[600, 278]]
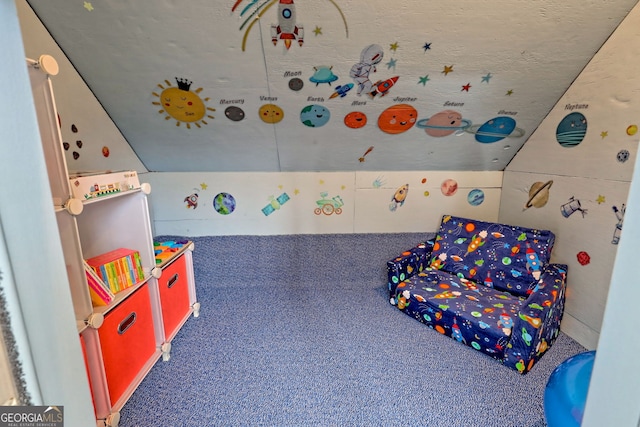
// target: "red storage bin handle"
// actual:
[[127, 323], [172, 281]]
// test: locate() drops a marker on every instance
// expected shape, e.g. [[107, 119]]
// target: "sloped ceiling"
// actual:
[[474, 79]]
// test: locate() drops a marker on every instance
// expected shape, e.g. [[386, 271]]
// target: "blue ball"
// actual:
[[566, 392]]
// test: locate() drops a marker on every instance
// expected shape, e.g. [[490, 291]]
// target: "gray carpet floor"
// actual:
[[298, 331]]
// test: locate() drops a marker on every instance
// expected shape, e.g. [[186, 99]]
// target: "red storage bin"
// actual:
[[128, 341], [174, 295]]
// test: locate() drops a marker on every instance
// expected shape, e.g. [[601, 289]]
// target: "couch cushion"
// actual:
[[507, 257], [478, 316]]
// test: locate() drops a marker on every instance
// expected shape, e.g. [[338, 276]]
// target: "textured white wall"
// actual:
[[596, 172], [369, 202], [489, 59]]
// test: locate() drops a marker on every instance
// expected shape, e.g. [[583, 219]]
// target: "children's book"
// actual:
[[100, 292]]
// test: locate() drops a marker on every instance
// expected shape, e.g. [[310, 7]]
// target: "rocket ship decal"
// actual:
[[287, 30]]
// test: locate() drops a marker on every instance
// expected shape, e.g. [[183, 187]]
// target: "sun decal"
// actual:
[[182, 104]]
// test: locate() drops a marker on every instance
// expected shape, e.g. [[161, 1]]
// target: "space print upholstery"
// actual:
[[487, 285]]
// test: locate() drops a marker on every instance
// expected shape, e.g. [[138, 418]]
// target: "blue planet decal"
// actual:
[[475, 197], [571, 130], [496, 129], [224, 203], [314, 116]]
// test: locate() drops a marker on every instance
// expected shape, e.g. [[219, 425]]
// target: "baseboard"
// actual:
[[580, 332]]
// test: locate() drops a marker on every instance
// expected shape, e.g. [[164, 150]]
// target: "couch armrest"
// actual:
[[408, 263], [537, 324]]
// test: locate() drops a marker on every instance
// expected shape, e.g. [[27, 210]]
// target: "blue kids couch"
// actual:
[[487, 285]]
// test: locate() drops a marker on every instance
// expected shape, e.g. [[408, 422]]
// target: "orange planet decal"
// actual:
[[397, 118], [355, 119]]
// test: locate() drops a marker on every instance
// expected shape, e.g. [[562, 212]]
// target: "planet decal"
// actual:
[[355, 119], [296, 84], [623, 156], [538, 194], [632, 130], [233, 113], [398, 118], [571, 130], [496, 129], [271, 113], [444, 123], [323, 74], [314, 116], [224, 203], [449, 187], [105, 151], [475, 197]]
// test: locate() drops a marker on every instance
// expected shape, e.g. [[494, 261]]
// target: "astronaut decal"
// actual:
[[369, 57], [287, 29]]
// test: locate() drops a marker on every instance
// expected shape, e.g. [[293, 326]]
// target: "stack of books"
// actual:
[[118, 269]]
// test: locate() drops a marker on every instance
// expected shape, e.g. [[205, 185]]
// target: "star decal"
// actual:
[[423, 80], [88, 6], [296, 191], [317, 31], [466, 87], [509, 92], [486, 78], [427, 46], [203, 186], [393, 46], [447, 69], [604, 134], [392, 63], [600, 199]]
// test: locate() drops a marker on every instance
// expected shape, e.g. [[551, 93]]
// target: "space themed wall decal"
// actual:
[[341, 91], [399, 197], [323, 74], [449, 187], [183, 104], [234, 113], [632, 130], [397, 119], [271, 113], [315, 115], [287, 30], [369, 150], [572, 206], [571, 130], [619, 213], [88, 6], [496, 129], [538, 194], [444, 123], [275, 203], [224, 203], [370, 56], [475, 197], [328, 206], [583, 258], [191, 200], [623, 156], [355, 119]]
